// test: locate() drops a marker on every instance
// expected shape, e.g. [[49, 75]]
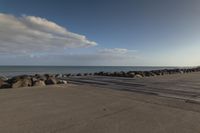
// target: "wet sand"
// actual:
[[163, 104]]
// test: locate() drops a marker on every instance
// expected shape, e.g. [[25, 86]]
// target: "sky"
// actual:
[[100, 32]]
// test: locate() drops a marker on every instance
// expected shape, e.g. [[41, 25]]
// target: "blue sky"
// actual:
[[94, 32]]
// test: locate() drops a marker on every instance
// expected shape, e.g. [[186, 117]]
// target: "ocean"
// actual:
[[29, 70]]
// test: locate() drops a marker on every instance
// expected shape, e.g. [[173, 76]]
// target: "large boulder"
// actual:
[[100, 73], [121, 74], [49, 76], [4, 78], [79, 74], [141, 73], [115, 74], [108, 74], [149, 73], [62, 82], [4, 84], [33, 79], [20, 81], [90, 74], [1, 82], [130, 74], [68, 75], [85, 74], [138, 76], [59, 75], [39, 83], [41, 77], [157, 72], [51, 81]]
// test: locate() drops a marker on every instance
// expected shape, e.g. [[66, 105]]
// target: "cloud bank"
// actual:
[[113, 51], [27, 34], [101, 57]]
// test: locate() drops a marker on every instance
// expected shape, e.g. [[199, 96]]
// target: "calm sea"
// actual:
[[20, 70]]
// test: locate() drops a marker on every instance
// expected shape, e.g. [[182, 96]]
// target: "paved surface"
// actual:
[[181, 86], [93, 108]]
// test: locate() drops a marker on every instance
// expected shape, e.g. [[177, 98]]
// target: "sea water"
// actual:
[[29, 70]]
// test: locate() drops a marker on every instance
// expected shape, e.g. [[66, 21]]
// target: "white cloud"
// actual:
[[116, 51], [113, 51], [96, 57], [27, 34]]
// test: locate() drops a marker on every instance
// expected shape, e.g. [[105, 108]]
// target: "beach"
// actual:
[[114, 66], [21, 70], [98, 104]]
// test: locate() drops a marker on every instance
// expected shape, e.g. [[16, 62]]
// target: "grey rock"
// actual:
[[79, 74], [85, 74], [1, 82], [4, 78], [51, 81], [62, 82], [131, 74], [68, 75], [4, 84], [39, 83], [58, 75], [20, 81], [138, 76], [41, 77], [90, 74]]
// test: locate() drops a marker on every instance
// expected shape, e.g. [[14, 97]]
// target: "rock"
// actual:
[[64, 76], [16, 78], [58, 75], [121, 74], [51, 81], [85, 74], [115, 74], [20, 81], [181, 72], [141, 73], [41, 77], [154, 73], [48, 75], [39, 83], [4, 84], [1, 82], [148, 73], [62, 82], [95, 73], [90, 74], [4, 78], [101, 73], [33, 79], [79, 74], [131, 74], [68, 75], [198, 69], [138, 76], [108, 74]]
